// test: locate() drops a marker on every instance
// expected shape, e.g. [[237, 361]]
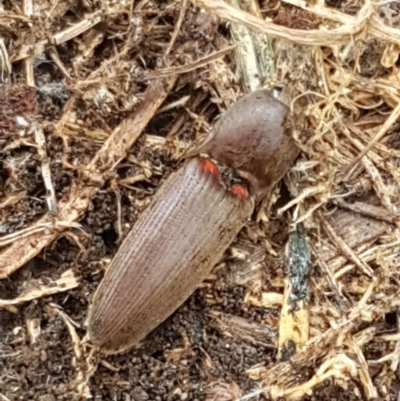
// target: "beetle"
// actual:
[[191, 221]]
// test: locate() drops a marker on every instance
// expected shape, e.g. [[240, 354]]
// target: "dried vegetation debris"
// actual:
[[75, 174]]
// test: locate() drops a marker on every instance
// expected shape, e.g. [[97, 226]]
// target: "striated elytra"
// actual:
[[191, 221]]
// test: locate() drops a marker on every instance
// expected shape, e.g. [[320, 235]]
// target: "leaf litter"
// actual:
[[100, 100]]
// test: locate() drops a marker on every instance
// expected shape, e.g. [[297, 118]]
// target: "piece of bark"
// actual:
[[243, 329], [366, 209], [354, 229], [343, 247]]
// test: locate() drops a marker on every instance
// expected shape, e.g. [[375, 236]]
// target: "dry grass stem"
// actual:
[[37, 228], [192, 66], [28, 62], [380, 188], [61, 37], [392, 119], [333, 283], [66, 282], [5, 64], [305, 37], [46, 174], [365, 378], [177, 27], [338, 367], [83, 369]]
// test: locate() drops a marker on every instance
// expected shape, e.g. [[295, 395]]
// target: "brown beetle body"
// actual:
[[191, 221]]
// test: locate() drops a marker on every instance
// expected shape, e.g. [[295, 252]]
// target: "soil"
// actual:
[[178, 361], [203, 351]]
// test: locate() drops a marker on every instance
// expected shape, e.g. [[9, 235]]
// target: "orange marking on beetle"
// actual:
[[240, 191], [210, 167]]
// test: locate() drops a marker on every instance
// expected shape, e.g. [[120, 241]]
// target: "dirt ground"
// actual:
[[118, 100]]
